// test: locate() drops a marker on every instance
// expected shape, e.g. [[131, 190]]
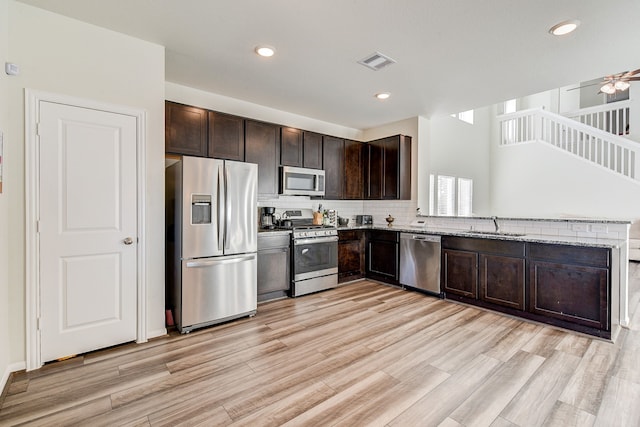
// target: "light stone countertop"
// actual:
[[532, 238]]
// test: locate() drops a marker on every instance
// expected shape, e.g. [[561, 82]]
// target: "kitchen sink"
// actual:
[[495, 233]]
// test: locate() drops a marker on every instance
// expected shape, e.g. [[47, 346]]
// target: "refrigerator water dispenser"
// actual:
[[201, 209]]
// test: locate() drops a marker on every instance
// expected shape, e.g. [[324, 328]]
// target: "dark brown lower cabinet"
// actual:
[[573, 293], [460, 273], [382, 256], [502, 280], [562, 285], [350, 255]]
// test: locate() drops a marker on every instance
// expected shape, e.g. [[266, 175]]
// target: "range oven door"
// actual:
[[315, 257]]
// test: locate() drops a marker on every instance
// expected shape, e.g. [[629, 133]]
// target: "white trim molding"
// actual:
[[32, 291]]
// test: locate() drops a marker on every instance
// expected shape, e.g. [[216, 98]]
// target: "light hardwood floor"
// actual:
[[363, 354]]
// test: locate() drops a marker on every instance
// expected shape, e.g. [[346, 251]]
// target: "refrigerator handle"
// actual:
[[221, 209], [214, 262], [227, 217]]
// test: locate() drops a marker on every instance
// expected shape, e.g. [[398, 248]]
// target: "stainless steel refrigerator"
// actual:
[[211, 217]]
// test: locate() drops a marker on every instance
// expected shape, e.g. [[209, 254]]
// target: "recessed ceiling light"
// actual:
[[265, 51], [564, 27], [383, 95]]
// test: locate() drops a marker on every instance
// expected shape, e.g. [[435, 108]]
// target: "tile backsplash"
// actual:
[[404, 212]]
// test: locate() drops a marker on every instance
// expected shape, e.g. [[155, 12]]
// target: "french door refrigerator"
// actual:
[[211, 217]]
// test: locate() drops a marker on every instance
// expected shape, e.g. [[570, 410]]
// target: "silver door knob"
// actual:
[[127, 241]]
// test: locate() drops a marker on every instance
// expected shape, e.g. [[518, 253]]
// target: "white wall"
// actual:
[[464, 150], [211, 101], [5, 343], [424, 167], [61, 55], [539, 181]]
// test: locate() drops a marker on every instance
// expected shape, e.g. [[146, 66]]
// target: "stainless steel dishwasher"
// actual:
[[420, 262]]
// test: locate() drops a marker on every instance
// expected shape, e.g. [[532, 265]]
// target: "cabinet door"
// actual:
[[333, 161], [390, 171], [351, 259], [460, 273], [502, 280], [574, 293], [312, 148], [373, 171], [291, 147], [383, 260], [353, 170], [382, 257], [226, 136], [185, 130], [263, 148], [404, 168]]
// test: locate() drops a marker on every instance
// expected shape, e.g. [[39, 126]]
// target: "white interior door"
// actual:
[[87, 229]]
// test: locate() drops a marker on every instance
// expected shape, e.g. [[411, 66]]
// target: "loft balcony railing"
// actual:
[[605, 149], [612, 117]]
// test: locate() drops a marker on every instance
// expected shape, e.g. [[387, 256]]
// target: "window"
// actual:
[[465, 196], [450, 196], [509, 126], [446, 196], [465, 116], [510, 106]]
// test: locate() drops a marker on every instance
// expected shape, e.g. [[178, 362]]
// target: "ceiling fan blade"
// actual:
[[589, 85], [632, 79], [631, 73]]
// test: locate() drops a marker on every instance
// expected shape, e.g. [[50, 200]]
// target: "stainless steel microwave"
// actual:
[[301, 181]]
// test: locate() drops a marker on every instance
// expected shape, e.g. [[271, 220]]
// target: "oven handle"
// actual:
[[315, 240]]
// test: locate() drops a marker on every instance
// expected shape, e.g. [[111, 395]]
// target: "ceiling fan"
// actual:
[[615, 82], [618, 82]]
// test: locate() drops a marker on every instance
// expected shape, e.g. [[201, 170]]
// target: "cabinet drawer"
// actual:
[[492, 246], [349, 235], [387, 236], [595, 257]]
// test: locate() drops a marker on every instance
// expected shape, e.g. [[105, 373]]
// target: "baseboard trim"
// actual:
[[157, 333], [11, 368]]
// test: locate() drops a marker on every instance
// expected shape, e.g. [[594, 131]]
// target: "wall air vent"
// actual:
[[376, 61]]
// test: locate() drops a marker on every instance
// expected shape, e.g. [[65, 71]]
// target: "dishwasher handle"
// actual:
[[421, 237]]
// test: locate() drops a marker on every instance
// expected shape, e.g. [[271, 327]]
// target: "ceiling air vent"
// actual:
[[376, 61]]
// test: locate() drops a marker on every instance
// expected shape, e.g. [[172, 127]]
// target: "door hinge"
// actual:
[[38, 226], [38, 129], [38, 324]]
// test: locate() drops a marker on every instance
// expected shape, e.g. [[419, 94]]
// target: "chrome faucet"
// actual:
[[495, 222]]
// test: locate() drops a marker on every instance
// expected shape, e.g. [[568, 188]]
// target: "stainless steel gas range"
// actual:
[[314, 253]]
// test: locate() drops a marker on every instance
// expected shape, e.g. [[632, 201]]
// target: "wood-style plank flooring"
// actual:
[[360, 355]]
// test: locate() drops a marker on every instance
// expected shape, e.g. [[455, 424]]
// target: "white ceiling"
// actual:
[[452, 55]]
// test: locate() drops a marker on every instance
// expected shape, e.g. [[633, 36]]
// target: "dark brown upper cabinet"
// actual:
[[373, 171], [185, 129], [312, 150], [333, 160], [388, 168], [300, 148], [263, 147], [353, 170], [226, 136], [291, 149]]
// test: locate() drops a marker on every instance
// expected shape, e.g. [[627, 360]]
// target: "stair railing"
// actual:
[[612, 152], [612, 117]]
